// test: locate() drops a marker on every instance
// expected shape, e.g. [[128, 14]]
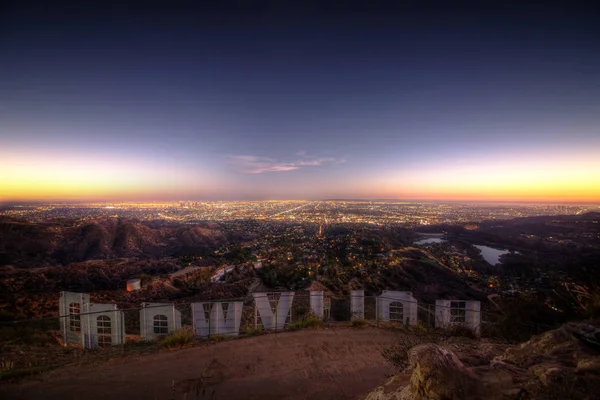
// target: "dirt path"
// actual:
[[338, 363]]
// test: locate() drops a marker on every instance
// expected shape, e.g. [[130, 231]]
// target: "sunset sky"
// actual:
[[306, 102]]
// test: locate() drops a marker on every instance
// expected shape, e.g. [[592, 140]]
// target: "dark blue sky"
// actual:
[[266, 101]]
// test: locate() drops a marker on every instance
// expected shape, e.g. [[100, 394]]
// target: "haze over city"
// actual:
[[301, 103]]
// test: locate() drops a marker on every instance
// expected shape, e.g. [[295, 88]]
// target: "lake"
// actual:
[[429, 241], [491, 255]]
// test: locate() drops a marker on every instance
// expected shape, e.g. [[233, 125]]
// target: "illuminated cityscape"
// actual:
[[318, 212]]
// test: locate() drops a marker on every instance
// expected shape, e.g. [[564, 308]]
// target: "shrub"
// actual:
[[249, 330], [421, 327], [180, 338], [581, 300], [308, 321], [461, 331], [358, 323], [519, 318], [144, 278], [397, 354], [133, 344], [36, 333], [216, 338]]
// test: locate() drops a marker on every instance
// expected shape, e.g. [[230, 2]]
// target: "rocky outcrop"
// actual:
[[438, 373], [558, 364]]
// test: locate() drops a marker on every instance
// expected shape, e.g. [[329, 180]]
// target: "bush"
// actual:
[[308, 321], [216, 338], [358, 323], [249, 330], [581, 300], [133, 344], [421, 327], [461, 331], [519, 318], [144, 279], [31, 333], [180, 338], [397, 354]]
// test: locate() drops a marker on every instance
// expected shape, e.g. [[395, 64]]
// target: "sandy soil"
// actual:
[[338, 363]]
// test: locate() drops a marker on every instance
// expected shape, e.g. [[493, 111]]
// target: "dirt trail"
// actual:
[[338, 363]]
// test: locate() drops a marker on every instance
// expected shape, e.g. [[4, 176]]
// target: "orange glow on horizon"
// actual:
[[33, 177], [549, 179]]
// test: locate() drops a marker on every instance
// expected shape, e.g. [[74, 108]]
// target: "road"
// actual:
[[291, 209], [333, 363]]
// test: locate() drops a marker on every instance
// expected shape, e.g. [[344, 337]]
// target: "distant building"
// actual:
[[220, 272], [134, 284]]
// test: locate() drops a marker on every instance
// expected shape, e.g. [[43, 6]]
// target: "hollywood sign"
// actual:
[[95, 325]]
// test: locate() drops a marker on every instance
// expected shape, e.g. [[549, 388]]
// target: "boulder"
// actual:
[[391, 390], [559, 364], [438, 374]]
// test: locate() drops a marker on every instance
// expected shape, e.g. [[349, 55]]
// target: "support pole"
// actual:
[[89, 329], [64, 323], [429, 314], [173, 312], [143, 330], [377, 310]]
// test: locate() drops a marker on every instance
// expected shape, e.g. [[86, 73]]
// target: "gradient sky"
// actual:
[[303, 102]]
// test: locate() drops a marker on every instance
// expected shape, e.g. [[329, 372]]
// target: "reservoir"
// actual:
[[491, 255], [429, 241]]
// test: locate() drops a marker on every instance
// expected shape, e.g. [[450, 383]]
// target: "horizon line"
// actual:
[[467, 201]]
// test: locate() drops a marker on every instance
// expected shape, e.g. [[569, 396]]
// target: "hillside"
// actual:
[[342, 363], [573, 230], [25, 245], [582, 229], [317, 364], [410, 269]]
